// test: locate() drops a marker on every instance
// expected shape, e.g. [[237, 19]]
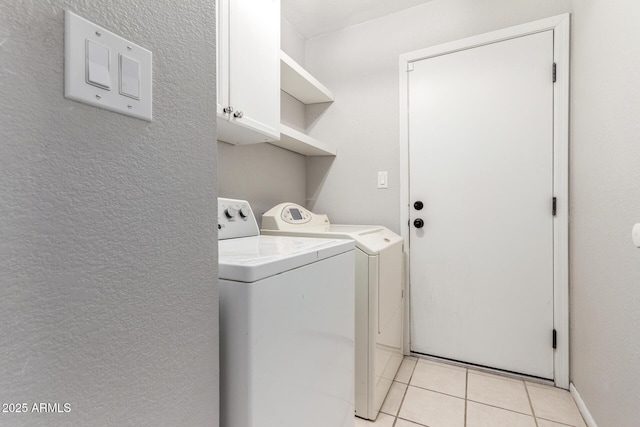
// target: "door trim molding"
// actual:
[[560, 25]]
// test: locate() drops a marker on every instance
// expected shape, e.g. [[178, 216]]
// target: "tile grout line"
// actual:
[[502, 408], [558, 422], [533, 411], [466, 395], [395, 418], [441, 392], [418, 424]]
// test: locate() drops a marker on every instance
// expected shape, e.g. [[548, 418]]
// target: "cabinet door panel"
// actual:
[[254, 67], [222, 56]]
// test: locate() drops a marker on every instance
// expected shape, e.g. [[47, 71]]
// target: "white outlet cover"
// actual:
[[635, 234], [77, 31], [383, 179]]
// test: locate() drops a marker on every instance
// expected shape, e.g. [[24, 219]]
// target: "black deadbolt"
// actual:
[[418, 223], [418, 205]]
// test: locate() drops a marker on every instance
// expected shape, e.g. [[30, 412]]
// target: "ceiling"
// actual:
[[314, 17]]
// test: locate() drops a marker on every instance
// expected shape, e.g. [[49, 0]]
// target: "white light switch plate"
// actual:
[[383, 179], [77, 31]]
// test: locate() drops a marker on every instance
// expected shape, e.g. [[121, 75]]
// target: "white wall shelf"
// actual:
[[297, 82], [293, 140], [300, 84]]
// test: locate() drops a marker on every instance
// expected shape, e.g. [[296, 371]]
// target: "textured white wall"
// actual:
[[108, 254], [292, 42], [360, 64], [263, 174], [605, 203]]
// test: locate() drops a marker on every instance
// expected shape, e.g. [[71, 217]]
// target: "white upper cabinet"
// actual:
[[248, 70]]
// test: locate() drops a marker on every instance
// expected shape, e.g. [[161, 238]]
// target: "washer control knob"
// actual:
[[231, 212], [244, 212]]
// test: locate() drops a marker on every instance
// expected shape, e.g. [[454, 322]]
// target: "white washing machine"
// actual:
[[286, 326], [379, 293]]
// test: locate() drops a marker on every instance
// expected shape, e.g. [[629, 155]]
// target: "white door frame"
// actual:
[[561, 32]]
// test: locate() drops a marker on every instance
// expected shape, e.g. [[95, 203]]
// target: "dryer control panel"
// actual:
[[235, 219], [286, 215]]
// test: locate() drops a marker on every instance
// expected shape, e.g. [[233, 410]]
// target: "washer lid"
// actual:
[[352, 229], [371, 239], [249, 259]]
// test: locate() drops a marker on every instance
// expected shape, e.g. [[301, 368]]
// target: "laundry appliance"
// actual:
[[286, 326], [379, 296]]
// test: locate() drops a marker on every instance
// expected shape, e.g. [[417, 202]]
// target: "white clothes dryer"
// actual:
[[379, 296], [286, 326]]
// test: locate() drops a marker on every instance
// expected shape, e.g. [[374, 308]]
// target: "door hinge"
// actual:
[[554, 72], [409, 66], [555, 339], [554, 206]]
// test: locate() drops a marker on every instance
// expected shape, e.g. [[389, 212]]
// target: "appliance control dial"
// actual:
[[244, 212], [231, 212]]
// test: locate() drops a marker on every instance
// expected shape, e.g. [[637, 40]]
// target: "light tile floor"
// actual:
[[426, 393]]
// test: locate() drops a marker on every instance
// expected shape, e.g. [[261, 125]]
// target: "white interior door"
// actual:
[[481, 161]]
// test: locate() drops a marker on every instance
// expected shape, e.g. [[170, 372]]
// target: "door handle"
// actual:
[[418, 223], [418, 205]]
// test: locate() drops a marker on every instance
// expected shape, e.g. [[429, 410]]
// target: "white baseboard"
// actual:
[[582, 407]]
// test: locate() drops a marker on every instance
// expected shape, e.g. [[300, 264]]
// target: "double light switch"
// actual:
[[105, 70], [98, 67]]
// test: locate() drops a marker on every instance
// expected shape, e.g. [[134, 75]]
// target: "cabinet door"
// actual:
[[222, 57], [251, 37]]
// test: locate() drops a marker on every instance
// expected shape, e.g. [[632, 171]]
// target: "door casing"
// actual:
[[561, 27]]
